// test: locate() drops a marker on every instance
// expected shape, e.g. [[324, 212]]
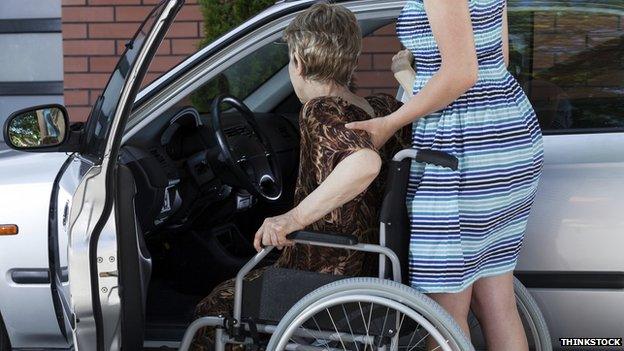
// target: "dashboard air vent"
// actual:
[[237, 130]]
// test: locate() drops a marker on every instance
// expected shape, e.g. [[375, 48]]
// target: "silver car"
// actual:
[[112, 231]]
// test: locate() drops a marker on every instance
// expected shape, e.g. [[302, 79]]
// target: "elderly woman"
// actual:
[[336, 189]]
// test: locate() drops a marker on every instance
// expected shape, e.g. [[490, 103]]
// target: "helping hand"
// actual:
[[273, 231], [380, 129]]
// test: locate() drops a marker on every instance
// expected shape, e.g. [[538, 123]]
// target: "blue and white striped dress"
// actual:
[[470, 223]]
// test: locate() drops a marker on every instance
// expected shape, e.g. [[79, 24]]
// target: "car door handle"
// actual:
[[109, 274]]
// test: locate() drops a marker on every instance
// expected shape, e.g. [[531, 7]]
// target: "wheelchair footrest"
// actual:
[[269, 297]]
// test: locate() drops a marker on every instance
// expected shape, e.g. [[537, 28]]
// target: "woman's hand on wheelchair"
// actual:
[[274, 230]]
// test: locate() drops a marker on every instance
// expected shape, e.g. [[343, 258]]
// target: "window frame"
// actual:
[[577, 8], [187, 79]]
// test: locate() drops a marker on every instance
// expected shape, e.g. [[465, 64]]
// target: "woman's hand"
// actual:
[[380, 129], [273, 230], [403, 71], [402, 61]]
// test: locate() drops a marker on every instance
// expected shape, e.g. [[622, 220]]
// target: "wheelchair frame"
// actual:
[[228, 329]]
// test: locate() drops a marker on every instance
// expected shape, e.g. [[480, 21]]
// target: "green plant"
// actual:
[[24, 130], [220, 16]]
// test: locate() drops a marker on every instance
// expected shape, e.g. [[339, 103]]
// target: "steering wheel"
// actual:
[[248, 155]]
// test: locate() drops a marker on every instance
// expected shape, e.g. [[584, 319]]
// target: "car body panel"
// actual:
[[577, 313], [576, 226], [92, 225], [576, 223], [25, 185]]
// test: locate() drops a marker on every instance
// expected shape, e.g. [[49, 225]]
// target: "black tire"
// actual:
[[5, 344], [532, 318]]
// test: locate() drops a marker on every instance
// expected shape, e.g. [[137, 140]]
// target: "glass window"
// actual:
[[567, 55], [244, 77], [101, 118]]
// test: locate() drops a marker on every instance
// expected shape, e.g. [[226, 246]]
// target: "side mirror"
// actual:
[[37, 128]]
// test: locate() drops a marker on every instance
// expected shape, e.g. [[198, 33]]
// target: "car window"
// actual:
[[373, 74], [243, 77], [101, 118], [567, 55]]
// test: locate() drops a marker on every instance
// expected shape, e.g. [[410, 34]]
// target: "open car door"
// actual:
[[99, 270]]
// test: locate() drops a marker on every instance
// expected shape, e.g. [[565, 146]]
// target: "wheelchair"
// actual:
[[312, 311]]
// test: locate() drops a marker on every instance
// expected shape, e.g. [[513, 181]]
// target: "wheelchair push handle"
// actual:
[[434, 157]]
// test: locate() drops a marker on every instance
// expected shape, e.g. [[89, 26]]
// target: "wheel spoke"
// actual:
[[370, 318], [319, 329], [340, 320], [395, 341], [350, 329], [419, 341], [437, 347], [336, 329], [365, 325], [411, 338]]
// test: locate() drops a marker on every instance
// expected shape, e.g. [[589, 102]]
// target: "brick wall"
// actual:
[[94, 34], [576, 50], [579, 52], [373, 74]]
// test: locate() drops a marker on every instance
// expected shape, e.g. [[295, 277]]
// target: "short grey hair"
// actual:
[[326, 41]]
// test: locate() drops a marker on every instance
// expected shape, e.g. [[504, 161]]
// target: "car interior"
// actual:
[[198, 210]]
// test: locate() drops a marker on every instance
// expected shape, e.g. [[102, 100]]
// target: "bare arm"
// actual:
[[452, 29], [505, 37], [349, 178], [406, 80], [403, 71], [458, 70]]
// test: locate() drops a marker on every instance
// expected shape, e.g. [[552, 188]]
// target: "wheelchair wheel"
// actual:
[[532, 319], [367, 314]]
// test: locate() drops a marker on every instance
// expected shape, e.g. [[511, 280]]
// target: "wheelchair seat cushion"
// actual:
[[268, 298]]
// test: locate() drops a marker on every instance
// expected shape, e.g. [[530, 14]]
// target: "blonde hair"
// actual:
[[326, 41]]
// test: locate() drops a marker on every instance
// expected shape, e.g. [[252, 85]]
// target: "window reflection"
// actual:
[[568, 57]]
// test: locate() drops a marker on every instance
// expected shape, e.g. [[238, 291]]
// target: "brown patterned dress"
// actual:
[[325, 141]]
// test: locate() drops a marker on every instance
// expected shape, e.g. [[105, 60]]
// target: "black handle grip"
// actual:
[[320, 237], [438, 158]]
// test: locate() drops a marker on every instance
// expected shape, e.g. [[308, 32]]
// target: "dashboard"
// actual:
[[178, 169]]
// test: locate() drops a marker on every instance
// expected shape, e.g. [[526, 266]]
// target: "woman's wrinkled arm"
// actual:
[[351, 176]]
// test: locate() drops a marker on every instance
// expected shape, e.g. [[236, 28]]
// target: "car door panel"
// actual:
[[85, 213], [87, 222], [571, 257], [58, 242], [575, 218], [26, 254]]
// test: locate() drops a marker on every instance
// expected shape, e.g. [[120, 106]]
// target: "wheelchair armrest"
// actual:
[[320, 237]]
